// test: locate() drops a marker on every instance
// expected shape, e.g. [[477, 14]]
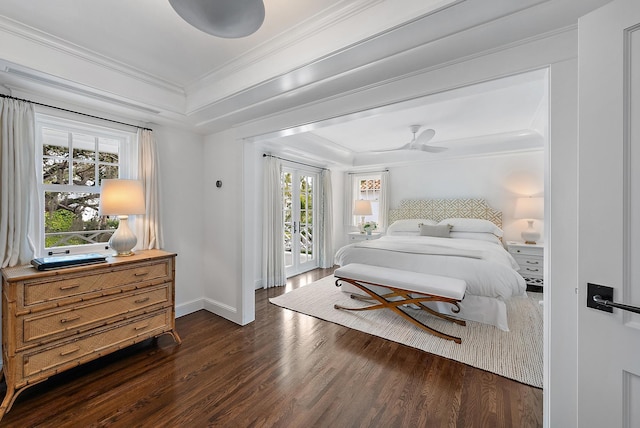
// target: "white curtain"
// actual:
[[148, 227], [348, 201], [325, 228], [383, 203], [273, 264], [18, 182]]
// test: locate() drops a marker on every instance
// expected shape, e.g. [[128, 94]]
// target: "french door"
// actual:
[[300, 196]]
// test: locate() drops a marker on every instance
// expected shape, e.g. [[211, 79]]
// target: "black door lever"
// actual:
[[601, 297]]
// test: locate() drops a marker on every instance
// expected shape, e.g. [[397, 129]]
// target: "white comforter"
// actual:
[[488, 268]]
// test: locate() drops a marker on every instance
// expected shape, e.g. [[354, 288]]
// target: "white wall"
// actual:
[[223, 227], [181, 186], [499, 179]]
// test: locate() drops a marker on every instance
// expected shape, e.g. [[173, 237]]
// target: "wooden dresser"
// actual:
[[55, 320]]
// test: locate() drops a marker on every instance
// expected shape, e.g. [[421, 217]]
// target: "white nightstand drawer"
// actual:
[[357, 236], [530, 258]]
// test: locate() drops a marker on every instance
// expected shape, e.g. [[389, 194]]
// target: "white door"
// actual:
[[609, 214], [299, 189]]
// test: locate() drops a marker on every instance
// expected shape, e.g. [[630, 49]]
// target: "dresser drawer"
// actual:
[[38, 327], [102, 279], [93, 345]]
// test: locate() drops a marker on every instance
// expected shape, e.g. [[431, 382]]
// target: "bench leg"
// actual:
[[393, 305]]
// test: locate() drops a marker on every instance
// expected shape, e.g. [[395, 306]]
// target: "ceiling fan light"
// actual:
[[230, 19]]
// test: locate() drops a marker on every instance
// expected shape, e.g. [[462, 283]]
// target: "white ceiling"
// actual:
[[503, 115], [139, 59]]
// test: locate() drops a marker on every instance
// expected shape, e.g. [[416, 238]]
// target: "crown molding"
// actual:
[[52, 42], [284, 45], [50, 81], [302, 31]]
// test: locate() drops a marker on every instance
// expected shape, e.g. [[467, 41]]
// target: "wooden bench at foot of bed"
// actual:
[[403, 288]]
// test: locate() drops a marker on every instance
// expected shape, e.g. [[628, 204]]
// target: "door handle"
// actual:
[[598, 299], [601, 297], [295, 227]]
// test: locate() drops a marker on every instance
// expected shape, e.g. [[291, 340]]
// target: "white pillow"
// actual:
[[479, 236], [408, 226], [472, 225]]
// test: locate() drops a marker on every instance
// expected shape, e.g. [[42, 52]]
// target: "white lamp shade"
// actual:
[[529, 208], [362, 207], [122, 197]]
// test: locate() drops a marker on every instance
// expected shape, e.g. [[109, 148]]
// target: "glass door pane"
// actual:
[[299, 210], [288, 218]]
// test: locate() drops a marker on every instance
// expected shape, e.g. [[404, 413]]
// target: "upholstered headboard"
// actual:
[[439, 209]]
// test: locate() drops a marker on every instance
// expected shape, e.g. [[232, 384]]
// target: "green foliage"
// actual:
[[58, 221]]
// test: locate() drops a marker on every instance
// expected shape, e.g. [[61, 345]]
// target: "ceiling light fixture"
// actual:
[[230, 19]]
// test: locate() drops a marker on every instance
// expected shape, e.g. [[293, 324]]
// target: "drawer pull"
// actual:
[[69, 352], [146, 299], [533, 270], [64, 320], [141, 327], [69, 287], [529, 262], [141, 273]]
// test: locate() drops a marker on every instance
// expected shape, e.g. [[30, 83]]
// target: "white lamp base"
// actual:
[[123, 239], [529, 235]]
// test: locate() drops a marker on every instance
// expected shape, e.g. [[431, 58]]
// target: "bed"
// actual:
[[457, 238]]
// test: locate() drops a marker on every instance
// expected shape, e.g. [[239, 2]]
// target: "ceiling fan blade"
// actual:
[[432, 149], [425, 136], [405, 147]]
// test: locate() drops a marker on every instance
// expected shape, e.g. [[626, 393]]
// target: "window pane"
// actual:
[[368, 188], [108, 150], [86, 155], [72, 219], [107, 171], [55, 150], [82, 142], [55, 143], [84, 174], [55, 171], [287, 190]]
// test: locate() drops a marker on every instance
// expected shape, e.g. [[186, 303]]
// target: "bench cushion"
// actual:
[[417, 282]]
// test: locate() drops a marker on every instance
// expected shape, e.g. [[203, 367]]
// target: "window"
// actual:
[[367, 187], [74, 157]]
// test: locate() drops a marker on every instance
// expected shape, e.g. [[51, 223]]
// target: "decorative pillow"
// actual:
[[472, 225], [479, 236], [438, 231], [408, 226]]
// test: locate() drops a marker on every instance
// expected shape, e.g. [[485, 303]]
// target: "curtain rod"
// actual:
[[74, 112], [264, 155]]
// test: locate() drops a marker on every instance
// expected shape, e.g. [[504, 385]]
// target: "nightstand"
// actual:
[[530, 258], [357, 236]]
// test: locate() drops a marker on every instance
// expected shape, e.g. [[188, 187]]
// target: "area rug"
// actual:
[[516, 354]]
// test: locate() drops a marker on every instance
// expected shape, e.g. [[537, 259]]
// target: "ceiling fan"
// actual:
[[419, 142]]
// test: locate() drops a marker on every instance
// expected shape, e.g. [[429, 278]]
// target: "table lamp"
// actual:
[[530, 208], [122, 198], [362, 208]]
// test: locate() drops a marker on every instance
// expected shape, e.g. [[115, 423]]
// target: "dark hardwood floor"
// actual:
[[286, 370]]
